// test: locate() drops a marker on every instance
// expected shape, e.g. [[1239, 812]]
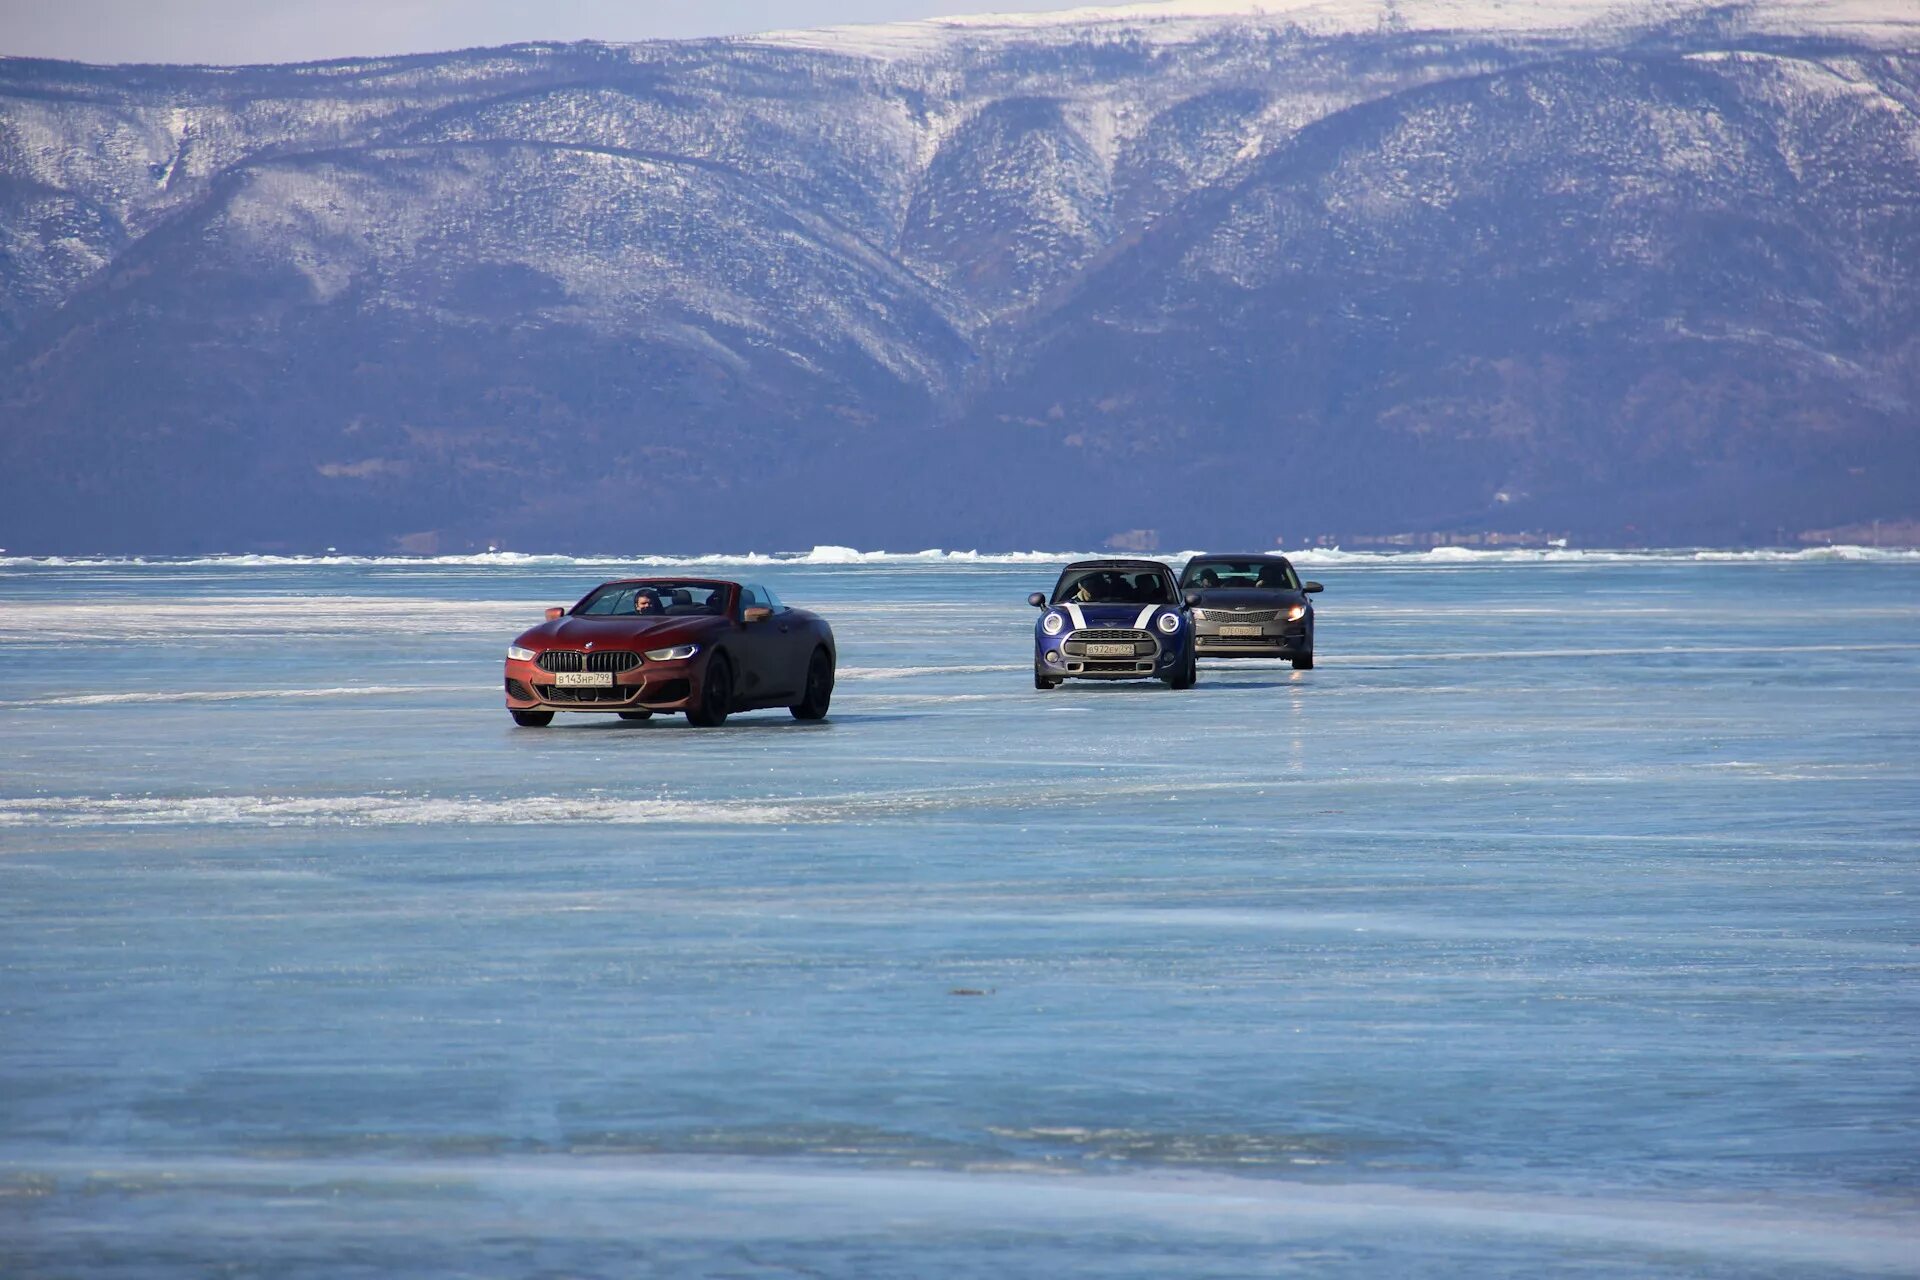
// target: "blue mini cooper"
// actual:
[[1113, 620]]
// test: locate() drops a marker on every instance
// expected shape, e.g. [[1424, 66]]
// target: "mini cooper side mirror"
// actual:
[[756, 613], [556, 611], [1193, 599], [1311, 587], [1037, 600]]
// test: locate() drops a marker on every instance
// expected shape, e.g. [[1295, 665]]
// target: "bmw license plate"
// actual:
[[1109, 651], [1235, 632], [583, 679]]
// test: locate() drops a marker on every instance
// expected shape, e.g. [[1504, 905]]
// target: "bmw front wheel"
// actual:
[[531, 719], [819, 688], [716, 694]]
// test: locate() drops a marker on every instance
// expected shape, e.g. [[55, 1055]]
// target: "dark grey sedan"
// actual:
[[1251, 606]]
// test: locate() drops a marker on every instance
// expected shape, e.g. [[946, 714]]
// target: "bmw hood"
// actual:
[[572, 632]]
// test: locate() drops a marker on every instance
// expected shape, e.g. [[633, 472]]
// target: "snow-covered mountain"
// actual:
[[1226, 270]]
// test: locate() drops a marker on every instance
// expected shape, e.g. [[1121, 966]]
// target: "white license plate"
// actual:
[[1109, 651], [1240, 631], [583, 679]]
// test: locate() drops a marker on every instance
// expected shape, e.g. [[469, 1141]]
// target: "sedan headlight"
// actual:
[[518, 654], [1051, 624], [1296, 612], [675, 654], [1169, 623]]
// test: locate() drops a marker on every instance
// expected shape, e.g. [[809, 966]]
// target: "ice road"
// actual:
[[1563, 921]]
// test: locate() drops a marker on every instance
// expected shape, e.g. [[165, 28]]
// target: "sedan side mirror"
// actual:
[[1037, 600], [1193, 599], [1311, 587], [557, 611], [756, 613]]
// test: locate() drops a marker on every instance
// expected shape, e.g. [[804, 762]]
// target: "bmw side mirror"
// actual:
[[1037, 600], [556, 612], [1311, 587], [1193, 599]]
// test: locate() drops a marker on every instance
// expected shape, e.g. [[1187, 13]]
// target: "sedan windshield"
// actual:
[[1113, 586], [1266, 575], [640, 599]]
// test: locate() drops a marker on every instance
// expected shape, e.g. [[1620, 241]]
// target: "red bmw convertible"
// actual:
[[646, 645]]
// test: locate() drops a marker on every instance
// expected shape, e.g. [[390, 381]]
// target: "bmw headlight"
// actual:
[[1297, 612], [1051, 624], [1169, 623], [675, 654], [518, 654]]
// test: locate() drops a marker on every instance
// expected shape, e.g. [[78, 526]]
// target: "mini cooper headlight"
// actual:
[[675, 654], [1169, 623], [1051, 624], [518, 654], [1296, 612]]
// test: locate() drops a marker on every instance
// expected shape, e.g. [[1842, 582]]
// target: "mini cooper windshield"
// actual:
[[657, 599], [1113, 586], [1261, 575]]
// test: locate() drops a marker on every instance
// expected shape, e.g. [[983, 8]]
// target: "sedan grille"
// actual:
[[579, 660], [1236, 615]]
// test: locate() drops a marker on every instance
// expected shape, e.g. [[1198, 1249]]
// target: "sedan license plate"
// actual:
[[583, 679], [1240, 631], [1109, 651]]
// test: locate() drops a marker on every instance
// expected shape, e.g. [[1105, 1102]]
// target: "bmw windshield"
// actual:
[[655, 599]]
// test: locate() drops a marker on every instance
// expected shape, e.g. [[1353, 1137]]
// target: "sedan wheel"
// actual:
[[819, 688], [535, 719], [641, 714], [716, 694]]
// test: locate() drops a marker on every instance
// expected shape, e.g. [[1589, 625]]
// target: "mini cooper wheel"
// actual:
[[641, 714], [716, 694], [534, 719], [1187, 676], [1041, 680], [819, 688], [1304, 662]]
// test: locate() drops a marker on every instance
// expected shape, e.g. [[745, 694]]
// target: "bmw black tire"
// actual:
[[716, 694], [819, 688], [641, 714], [1304, 662], [531, 719], [1041, 680]]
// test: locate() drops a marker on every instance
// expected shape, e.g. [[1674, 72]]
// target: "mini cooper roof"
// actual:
[[1114, 564]]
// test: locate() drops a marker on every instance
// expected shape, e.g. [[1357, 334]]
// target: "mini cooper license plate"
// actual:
[[1240, 631], [583, 679], [1109, 651]]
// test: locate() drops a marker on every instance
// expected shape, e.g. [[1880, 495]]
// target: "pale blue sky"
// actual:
[[277, 31]]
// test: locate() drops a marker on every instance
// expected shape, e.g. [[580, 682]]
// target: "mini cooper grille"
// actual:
[[1109, 634], [1236, 615], [576, 660]]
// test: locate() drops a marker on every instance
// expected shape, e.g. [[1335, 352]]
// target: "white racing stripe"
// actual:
[[1146, 616], [1073, 611]]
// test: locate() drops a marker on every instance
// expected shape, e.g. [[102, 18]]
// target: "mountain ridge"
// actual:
[[1002, 289]]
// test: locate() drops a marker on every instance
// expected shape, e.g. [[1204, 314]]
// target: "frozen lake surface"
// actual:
[[1562, 921]]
